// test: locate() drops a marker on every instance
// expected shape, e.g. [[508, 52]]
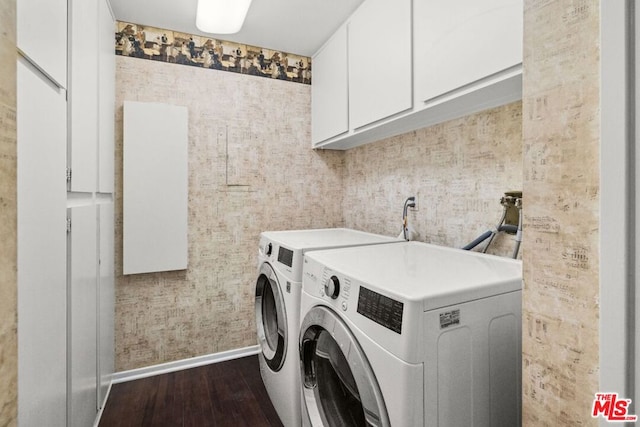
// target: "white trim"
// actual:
[[616, 124], [178, 365], [96, 423], [635, 304]]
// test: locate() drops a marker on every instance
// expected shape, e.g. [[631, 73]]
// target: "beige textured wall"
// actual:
[[561, 192], [457, 170], [8, 218], [275, 182]]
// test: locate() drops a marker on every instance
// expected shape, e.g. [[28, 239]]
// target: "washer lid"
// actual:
[[325, 238], [434, 276]]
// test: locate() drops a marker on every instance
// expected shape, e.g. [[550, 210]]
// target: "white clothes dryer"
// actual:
[[410, 335], [277, 306]]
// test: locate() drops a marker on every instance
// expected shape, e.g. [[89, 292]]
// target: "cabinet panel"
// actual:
[[107, 99], [83, 94], [329, 91], [380, 65], [460, 42], [155, 193], [42, 237], [82, 315], [42, 35], [106, 298]]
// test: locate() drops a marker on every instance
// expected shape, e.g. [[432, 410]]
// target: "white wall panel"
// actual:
[[155, 187], [42, 242], [82, 328]]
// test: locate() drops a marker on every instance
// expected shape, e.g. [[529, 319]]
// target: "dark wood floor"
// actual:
[[221, 394]]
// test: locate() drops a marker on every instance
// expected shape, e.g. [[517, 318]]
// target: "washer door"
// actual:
[[339, 386], [271, 318]]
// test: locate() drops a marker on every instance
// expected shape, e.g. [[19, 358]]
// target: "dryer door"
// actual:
[[339, 386], [271, 318]]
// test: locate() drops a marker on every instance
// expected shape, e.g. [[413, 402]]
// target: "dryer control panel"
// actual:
[[381, 309]]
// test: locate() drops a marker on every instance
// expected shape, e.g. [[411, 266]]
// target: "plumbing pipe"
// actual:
[[484, 236], [519, 232], [495, 231], [478, 240], [409, 203]]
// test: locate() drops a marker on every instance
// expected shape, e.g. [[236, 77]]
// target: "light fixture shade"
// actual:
[[221, 16]]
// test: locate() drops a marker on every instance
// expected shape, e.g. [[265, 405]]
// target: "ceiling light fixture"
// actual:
[[221, 16]]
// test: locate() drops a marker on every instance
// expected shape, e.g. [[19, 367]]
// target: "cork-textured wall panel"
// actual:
[[251, 169], [457, 170], [561, 195], [8, 218]]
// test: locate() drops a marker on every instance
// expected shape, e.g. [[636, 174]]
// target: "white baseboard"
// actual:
[[96, 423], [178, 365]]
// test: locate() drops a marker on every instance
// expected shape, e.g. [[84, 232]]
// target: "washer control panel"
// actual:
[[332, 287], [335, 288]]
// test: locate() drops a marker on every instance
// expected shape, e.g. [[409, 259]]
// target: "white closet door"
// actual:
[[42, 242], [83, 94], [107, 99], [42, 36], [83, 321], [106, 301]]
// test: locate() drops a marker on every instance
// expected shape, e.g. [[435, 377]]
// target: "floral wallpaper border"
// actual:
[[157, 44]]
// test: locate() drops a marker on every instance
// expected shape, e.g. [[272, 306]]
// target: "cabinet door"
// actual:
[[380, 64], [42, 243], [106, 298], [82, 315], [329, 89], [460, 42], [107, 98], [83, 94], [155, 192], [42, 36]]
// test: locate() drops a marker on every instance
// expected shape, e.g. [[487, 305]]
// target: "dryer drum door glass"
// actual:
[[270, 318], [339, 387]]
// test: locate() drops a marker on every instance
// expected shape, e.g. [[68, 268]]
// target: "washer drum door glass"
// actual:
[[339, 387], [271, 318]]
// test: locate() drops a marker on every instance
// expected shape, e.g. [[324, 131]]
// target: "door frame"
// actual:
[[619, 241]]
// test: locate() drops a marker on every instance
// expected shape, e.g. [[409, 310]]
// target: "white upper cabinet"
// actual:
[[461, 42], [42, 36], [107, 98], [329, 91], [83, 94], [415, 63], [379, 61]]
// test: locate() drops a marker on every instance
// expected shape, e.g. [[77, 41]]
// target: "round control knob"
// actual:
[[268, 249], [332, 287]]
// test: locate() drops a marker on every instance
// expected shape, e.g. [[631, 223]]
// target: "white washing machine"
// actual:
[[410, 335], [278, 290]]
